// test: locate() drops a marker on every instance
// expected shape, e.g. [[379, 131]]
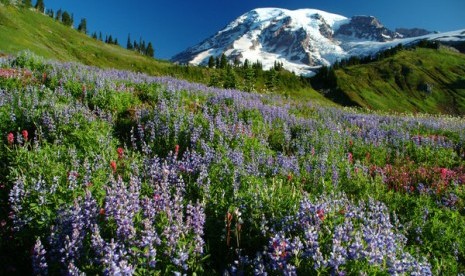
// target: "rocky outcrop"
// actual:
[[366, 28], [405, 33]]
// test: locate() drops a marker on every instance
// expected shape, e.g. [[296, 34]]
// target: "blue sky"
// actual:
[[174, 25]]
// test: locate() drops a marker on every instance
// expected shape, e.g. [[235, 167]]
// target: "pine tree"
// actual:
[[249, 77], [271, 79], [229, 79], [217, 62], [116, 41], [237, 62], [136, 46], [143, 49], [110, 40], [83, 26], [246, 64], [94, 35], [58, 15], [40, 6], [66, 19], [50, 13], [223, 61], [129, 45], [214, 80], [150, 51], [211, 62], [100, 36]]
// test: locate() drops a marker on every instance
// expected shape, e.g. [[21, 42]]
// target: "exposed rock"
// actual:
[[366, 27], [412, 32]]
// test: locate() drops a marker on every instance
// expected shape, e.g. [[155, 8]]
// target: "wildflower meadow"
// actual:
[[119, 173]]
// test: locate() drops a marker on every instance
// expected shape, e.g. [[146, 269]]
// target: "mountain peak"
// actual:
[[301, 40]]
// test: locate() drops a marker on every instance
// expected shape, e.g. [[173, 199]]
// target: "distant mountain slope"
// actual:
[[302, 40], [420, 80]]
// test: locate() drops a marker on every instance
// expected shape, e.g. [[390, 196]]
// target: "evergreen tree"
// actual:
[[100, 36], [217, 62], [116, 41], [211, 62], [110, 40], [66, 19], [129, 45], [229, 79], [150, 50], [271, 80], [83, 26], [223, 61], [258, 66], [249, 77], [136, 46], [94, 35], [27, 3], [50, 13], [40, 6], [246, 64], [237, 62], [59, 15], [278, 66], [214, 80], [143, 49]]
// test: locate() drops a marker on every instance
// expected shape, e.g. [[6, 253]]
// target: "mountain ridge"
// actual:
[[302, 40]]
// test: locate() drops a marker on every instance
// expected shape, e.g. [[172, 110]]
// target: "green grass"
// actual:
[[395, 83], [22, 29]]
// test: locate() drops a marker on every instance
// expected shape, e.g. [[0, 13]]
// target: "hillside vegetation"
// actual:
[[26, 29], [417, 80], [22, 29]]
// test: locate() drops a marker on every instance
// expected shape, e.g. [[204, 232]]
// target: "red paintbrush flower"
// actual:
[[113, 166], [25, 135], [11, 138], [120, 152]]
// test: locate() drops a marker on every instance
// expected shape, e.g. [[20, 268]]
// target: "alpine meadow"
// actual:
[[283, 159]]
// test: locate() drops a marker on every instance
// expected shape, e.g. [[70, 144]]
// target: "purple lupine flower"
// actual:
[[356, 250], [114, 260], [39, 262], [73, 270], [279, 251], [196, 219], [338, 254], [72, 226], [148, 241], [122, 205], [16, 197]]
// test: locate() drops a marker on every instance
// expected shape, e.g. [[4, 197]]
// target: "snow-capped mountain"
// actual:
[[301, 40]]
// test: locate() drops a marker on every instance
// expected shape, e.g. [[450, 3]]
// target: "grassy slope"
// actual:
[[395, 83], [26, 29], [22, 29]]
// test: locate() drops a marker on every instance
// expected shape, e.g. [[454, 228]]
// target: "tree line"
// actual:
[[249, 76], [141, 47]]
